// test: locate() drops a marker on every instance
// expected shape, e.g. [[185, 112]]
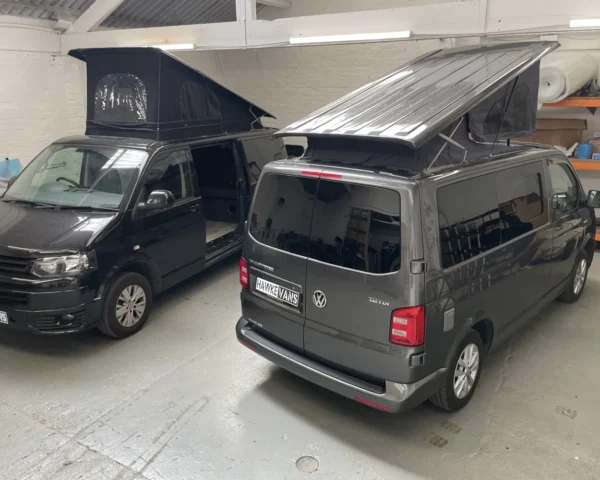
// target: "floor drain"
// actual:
[[307, 464]]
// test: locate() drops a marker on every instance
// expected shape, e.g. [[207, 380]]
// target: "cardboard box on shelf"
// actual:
[[561, 132]]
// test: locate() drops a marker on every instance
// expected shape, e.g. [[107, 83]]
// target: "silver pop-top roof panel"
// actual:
[[420, 99]]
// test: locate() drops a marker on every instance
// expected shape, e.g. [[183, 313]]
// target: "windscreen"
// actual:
[[343, 224], [79, 176]]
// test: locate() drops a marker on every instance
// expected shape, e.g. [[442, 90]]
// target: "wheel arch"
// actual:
[[139, 265], [485, 329]]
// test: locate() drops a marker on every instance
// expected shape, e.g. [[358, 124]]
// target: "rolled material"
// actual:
[[561, 76]]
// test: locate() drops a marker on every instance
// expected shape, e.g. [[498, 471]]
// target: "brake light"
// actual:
[[408, 326], [244, 279], [312, 173]]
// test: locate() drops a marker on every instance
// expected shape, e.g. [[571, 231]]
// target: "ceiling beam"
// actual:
[[245, 10], [98, 11], [276, 3]]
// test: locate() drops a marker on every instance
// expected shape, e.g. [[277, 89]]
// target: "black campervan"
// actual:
[[157, 190]]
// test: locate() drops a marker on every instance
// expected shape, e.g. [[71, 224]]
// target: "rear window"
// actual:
[[357, 227], [282, 211], [353, 226]]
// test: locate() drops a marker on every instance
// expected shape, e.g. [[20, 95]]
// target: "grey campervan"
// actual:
[[388, 261]]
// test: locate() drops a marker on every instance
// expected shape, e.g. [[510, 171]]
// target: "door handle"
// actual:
[[195, 208]]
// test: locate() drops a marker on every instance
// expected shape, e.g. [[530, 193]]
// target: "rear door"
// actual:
[[357, 274], [276, 250]]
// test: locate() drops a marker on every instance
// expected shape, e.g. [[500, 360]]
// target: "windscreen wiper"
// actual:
[[30, 202], [88, 208]]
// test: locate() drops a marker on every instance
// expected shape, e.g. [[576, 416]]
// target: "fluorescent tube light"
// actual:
[[175, 46], [354, 37], [586, 22]]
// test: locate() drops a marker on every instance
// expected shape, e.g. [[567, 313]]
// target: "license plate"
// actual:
[[284, 295], [4, 318]]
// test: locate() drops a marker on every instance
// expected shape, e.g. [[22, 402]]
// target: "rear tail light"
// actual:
[[408, 326], [244, 279]]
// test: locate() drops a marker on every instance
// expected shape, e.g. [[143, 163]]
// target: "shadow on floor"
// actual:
[[389, 437]]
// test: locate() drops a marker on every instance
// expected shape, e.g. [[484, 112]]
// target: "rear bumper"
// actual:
[[395, 397]]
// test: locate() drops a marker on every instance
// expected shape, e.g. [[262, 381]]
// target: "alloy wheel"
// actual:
[[466, 370], [131, 305]]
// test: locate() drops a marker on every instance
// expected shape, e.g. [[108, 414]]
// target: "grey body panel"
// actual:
[[417, 101], [507, 285]]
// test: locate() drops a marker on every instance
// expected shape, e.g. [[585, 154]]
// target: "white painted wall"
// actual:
[[41, 91]]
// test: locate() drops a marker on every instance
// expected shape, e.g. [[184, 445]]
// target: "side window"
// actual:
[[259, 152], [357, 227], [565, 190], [120, 98], [171, 171], [283, 207], [520, 201], [469, 219]]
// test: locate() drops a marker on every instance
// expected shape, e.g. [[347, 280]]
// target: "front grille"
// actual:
[[54, 323], [14, 265], [13, 299]]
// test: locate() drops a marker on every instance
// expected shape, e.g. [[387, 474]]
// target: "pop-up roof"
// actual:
[[148, 93], [495, 87]]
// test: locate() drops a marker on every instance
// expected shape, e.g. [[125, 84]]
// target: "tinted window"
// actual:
[[564, 186], [283, 207], [356, 227], [469, 219], [120, 98], [519, 202], [172, 172], [259, 152]]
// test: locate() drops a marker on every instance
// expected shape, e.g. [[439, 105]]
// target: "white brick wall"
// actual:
[[292, 82], [40, 97]]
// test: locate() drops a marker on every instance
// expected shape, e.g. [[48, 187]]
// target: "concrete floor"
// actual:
[[183, 400]]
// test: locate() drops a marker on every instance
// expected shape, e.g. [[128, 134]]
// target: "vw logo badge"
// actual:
[[319, 299]]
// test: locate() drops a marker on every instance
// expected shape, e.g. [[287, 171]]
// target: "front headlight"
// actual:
[[57, 266]]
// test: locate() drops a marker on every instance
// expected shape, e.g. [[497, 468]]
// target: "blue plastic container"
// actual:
[[585, 150], [10, 167]]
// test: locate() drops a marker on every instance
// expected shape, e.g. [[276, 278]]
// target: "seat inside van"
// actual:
[[217, 178]]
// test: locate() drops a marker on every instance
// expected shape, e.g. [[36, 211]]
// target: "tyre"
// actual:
[[462, 376], [127, 305], [576, 280]]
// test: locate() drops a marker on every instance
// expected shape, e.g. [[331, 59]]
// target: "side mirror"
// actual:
[[11, 180], [594, 198], [157, 200]]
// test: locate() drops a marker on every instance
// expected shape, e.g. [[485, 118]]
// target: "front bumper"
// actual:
[[394, 397], [50, 313]]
